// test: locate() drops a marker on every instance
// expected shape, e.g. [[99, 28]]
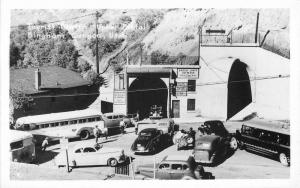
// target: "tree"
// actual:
[[19, 101]]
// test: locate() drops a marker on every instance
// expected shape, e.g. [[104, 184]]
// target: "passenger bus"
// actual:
[[79, 123], [22, 146], [270, 138]]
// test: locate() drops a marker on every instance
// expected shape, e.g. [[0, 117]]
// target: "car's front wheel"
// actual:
[[284, 159], [112, 162]]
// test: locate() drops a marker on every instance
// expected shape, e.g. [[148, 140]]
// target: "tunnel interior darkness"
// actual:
[[156, 94], [239, 88]]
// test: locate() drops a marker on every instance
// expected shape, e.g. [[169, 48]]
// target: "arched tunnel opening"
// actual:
[[239, 88], [147, 91]]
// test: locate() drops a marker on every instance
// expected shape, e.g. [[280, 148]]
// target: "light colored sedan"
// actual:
[[90, 154]]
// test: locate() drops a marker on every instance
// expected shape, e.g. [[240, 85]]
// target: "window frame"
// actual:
[[193, 86], [188, 106]]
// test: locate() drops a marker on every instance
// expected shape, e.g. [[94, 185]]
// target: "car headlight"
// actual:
[[190, 140]]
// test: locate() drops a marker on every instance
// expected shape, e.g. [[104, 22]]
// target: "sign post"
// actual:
[[64, 145]]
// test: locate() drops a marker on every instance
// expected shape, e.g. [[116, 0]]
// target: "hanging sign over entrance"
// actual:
[[188, 73]]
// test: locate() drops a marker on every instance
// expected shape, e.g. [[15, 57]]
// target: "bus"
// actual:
[[269, 138], [22, 146], [71, 124]]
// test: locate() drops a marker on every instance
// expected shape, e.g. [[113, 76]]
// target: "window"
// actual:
[[16, 145], [119, 82], [191, 104], [176, 167], [115, 117], [98, 118], [82, 120], [185, 167], [46, 125], [164, 166], [64, 123], [88, 150], [191, 85], [73, 122], [91, 119], [78, 150], [109, 117], [26, 127]]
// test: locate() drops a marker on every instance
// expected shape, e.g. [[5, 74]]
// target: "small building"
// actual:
[[53, 89]]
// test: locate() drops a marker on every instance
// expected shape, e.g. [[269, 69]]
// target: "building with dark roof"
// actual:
[[53, 89]]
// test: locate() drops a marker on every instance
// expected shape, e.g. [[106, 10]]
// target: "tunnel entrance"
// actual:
[[239, 88], [144, 92]]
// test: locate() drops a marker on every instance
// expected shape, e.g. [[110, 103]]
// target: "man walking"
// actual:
[[97, 133], [45, 144]]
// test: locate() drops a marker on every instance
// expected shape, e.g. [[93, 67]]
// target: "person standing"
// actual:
[[122, 126], [45, 144], [97, 133]]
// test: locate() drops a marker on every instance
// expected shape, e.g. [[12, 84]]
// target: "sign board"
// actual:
[[188, 73], [181, 89], [119, 97]]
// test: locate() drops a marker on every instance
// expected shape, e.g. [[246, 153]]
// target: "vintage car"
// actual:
[[210, 149], [90, 154], [155, 112], [216, 127], [174, 167], [149, 140], [167, 125]]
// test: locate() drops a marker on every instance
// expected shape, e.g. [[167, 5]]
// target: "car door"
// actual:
[[163, 171], [89, 156], [176, 171], [103, 156]]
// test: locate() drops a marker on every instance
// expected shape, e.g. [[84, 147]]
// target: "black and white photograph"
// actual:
[[149, 94]]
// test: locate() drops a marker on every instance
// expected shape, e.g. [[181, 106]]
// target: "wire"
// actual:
[[156, 89]]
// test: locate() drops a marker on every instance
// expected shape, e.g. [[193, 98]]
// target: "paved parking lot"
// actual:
[[241, 164]]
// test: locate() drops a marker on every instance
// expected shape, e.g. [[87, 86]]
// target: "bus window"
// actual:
[[121, 116], [115, 117], [46, 125], [37, 126], [98, 118], [64, 123], [109, 117], [56, 124], [82, 120], [51, 124], [16, 145], [73, 122], [91, 119]]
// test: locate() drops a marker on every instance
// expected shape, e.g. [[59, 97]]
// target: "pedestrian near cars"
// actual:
[[45, 143], [97, 133], [122, 126]]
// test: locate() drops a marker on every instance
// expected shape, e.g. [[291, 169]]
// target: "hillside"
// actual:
[[173, 31]]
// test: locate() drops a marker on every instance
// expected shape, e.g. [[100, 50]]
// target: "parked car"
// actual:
[[210, 149], [174, 167], [150, 140], [270, 138], [89, 154], [216, 127], [167, 125]]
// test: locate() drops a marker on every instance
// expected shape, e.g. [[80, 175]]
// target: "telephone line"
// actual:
[[155, 89]]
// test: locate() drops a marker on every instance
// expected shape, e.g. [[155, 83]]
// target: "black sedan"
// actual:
[[150, 140]]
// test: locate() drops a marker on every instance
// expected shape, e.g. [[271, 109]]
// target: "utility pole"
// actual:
[[199, 43], [256, 30], [97, 54]]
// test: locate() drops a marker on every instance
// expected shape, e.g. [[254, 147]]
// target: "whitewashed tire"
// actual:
[[233, 144]]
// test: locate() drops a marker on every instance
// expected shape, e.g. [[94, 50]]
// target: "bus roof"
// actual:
[[60, 116], [268, 125], [19, 135]]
